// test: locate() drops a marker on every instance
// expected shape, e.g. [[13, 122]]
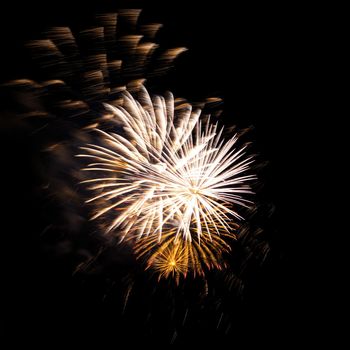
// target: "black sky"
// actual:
[[257, 58]]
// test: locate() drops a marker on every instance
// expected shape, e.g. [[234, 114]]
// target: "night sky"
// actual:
[[256, 58]]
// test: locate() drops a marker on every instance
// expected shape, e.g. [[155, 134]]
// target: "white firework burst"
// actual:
[[164, 167]]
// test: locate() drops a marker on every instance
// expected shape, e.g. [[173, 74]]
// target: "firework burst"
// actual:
[[166, 169], [178, 257]]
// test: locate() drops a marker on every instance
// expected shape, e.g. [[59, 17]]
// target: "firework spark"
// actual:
[[171, 261]]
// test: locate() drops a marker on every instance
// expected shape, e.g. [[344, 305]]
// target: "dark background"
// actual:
[[257, 57]]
